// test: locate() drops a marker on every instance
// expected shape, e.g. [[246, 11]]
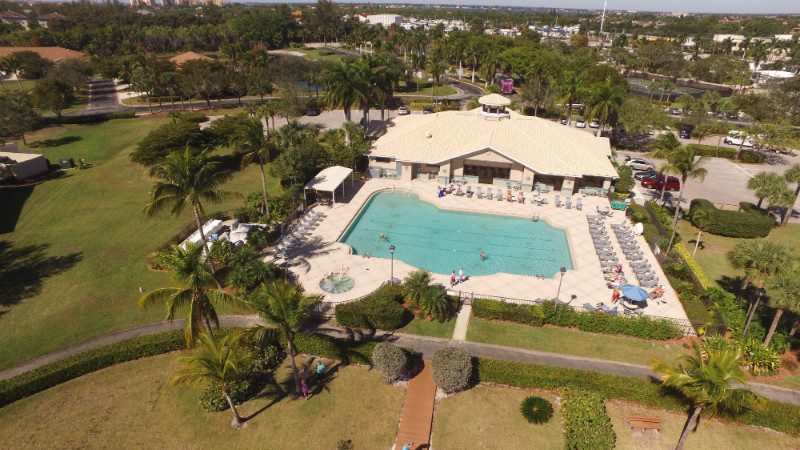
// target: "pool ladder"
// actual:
[[535, 217]]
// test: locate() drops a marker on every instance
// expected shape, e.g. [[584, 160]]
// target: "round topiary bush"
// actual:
[[451, 369], [391, 361], [536, 410]]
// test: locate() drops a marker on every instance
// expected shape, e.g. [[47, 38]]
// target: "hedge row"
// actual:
[[58, 372], [92, 118], [738, 224], [382, 309], [711, 150], [692, 264], [534, 315], [774, 415], [586, 424]]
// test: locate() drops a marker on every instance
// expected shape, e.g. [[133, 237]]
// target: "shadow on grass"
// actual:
[[55, 142], [24, 269], [12, 199]]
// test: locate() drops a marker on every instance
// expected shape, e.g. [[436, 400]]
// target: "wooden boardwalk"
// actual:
[[417, 414]]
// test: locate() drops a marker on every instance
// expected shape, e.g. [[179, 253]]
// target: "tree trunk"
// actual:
[[760, 200], [264, 186], [200, 230], [3, 86], [236, 422], [600, 130], [663, 189], [473, 73], [22, 137], [795, 326], [677, 211], [694, 418], [751, 313], [295, 374], [21, 91], [773, 326]]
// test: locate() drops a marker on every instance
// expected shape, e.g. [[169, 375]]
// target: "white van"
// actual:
[[739, 138]]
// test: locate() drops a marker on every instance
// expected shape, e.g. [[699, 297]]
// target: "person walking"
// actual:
[[461, 275], [410, 445], [453, 278]]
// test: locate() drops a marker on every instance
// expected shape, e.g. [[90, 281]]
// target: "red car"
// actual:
[[673, 183]]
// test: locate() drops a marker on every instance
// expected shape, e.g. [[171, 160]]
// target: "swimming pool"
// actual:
[[441, 240]]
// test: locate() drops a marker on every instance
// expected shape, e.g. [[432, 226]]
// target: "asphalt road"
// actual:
[[102, 99]]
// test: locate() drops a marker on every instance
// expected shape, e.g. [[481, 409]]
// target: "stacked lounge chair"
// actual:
[[602, 242], [297, 232], [641, 268]]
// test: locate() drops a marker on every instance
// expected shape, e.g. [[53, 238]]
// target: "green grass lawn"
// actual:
[[573, 342], [132, 405], [489, 417], [712, 250], [319, 55], [709, 436], [436, 91], [78, 243], [13, 86], [431, 328]]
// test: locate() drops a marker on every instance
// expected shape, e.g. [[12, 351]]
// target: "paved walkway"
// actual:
[[462, 323], [416, 417], [421, 344]]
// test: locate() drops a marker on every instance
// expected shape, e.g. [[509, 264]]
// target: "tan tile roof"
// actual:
[[189, 56], [50, 53], [52, 16], [544, 146], [494, 100], [11, 15]]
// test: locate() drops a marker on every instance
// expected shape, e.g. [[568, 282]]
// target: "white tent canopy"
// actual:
[[329, 180]]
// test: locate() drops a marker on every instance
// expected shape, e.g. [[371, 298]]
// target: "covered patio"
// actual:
[[330, 180]]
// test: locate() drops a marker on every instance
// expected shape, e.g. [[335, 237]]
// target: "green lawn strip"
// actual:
[[573, 342], [133, 405], [13, 86], [489, 417], [712, 435], [85, 240], [430, 328]]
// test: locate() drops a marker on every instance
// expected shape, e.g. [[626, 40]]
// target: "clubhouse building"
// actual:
[[496, 146]]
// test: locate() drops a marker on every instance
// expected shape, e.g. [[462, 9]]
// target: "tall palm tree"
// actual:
[[605, 102], [342, 87], [415, 285], [10, 63], [784, 294], [284, 305], [569, 89], [663, 147], [214, 362], [248, 139], [187, 178], [792, 176], [196, 290], [711, 380], [684, 162], [435, 68], [759, 259], [765, 185]]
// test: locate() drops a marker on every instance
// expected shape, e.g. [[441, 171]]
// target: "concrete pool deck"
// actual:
[[320, 252]]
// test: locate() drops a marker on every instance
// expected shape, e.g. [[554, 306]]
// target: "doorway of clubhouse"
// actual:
[[487, 174]]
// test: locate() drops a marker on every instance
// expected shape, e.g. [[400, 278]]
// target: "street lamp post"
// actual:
[[563, 270], [391, 250]]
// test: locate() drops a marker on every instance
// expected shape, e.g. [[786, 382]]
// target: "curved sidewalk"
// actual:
[[422, 344]]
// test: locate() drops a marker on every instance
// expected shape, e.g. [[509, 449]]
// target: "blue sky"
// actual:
[[718, 6]]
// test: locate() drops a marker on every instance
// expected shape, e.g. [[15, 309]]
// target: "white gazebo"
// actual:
[[328, 180]]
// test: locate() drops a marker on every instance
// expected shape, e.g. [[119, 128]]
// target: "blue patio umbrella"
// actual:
[[634, 293]]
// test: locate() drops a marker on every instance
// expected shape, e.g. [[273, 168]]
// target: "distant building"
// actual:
[[54, 54], [384, 19], [14, 18], [189, 56], [47, 18]]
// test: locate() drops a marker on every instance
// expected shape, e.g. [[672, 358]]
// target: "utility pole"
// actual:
[[603, 18]]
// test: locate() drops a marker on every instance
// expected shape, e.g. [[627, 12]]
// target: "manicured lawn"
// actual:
[[428, 91], [132, 405], [712, 251], [489, 417], [13, 86], [321, 55], [562, 340], [431, 328], [78, 243], [711, 436]]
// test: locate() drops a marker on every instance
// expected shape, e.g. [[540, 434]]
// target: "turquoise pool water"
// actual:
[[440, 240]]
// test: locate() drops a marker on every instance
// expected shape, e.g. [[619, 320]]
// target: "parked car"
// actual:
[[641, 175], [580, 123], [639, 164], [675, 111], [732, 115], [594, 124], [563, 121], [720, 115], [686, 132], [427, 109], [403, 110], [657, 182], [736, 137]]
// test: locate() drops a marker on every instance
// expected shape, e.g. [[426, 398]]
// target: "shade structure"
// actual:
[[634, 293], [329, 179]]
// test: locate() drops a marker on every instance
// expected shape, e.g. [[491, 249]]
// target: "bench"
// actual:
[[645, 422]]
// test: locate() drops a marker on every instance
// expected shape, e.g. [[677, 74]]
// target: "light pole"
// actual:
[[391, 250], [563, 270]]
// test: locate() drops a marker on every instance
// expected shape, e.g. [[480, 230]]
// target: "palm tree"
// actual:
[[784, 293], [569, 88], [187, 179], [436, 304], [342, 87], [248, 139], [284, 305], [214, 362], [604, 103], [663, 147], [759, 259], [415, 285], [10, 63], [435, 68], [686, 164], [765, 185], [710, 379], [792, 176], [196, 289]]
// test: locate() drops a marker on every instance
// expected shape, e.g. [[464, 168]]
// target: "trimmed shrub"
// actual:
[[752, 157], [639, 213], [626, 181], [548, 313], [740, 224], [382, 310], [390, 360], [694, 267], [451, 369], [93, 118], [586, 424], [536, 410], [712, 150], [327, 347]]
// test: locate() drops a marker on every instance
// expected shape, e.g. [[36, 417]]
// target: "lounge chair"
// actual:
[[649, 283], [499, 194], [558, 201], [589, 307], [489, 194], [568, 203], [479, 192], [579, 204]]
